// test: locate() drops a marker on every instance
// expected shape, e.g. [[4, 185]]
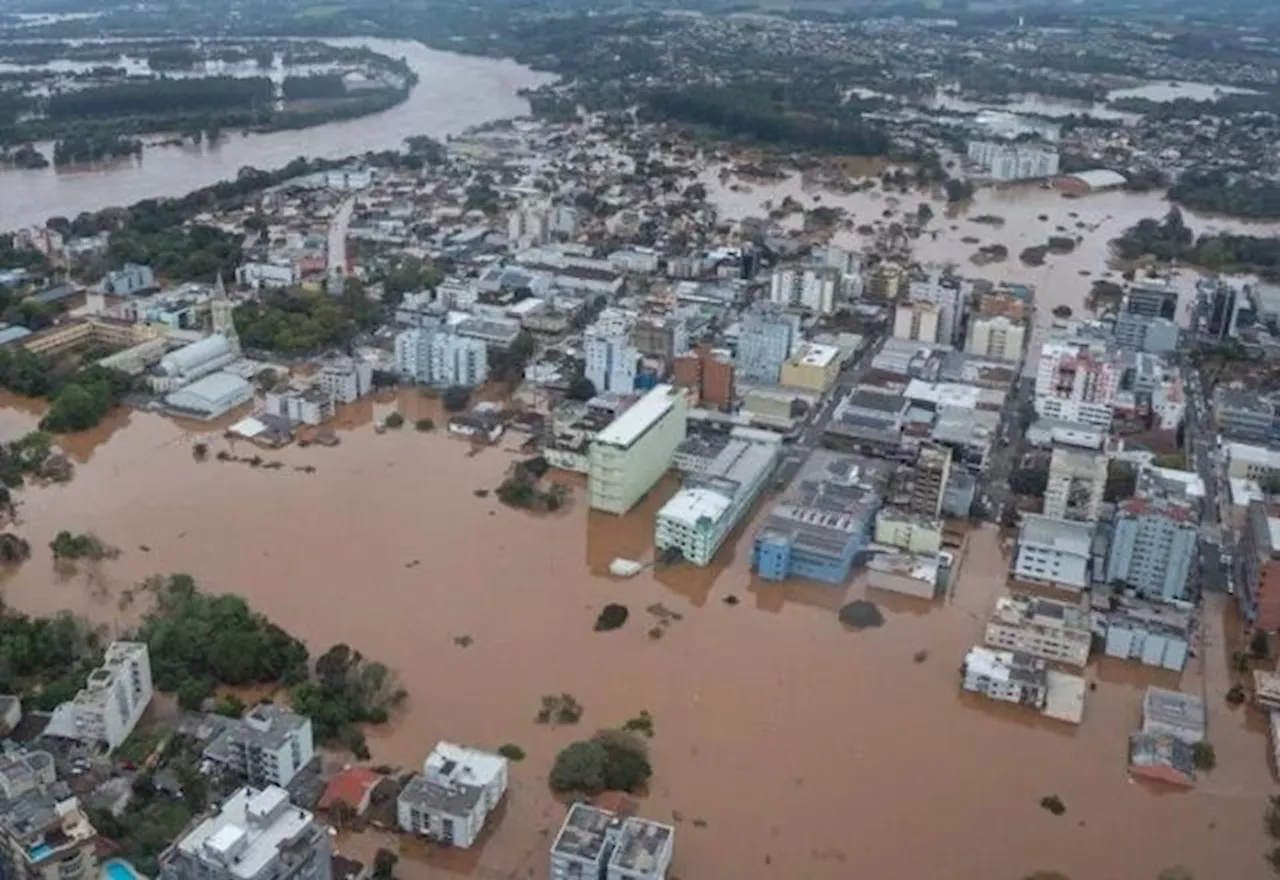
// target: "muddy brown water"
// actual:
[[808, 750]]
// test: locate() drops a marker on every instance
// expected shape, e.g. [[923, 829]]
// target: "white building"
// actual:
[[1077, 478], [1249, 462], [1007, 162], [1009, 676], [595, 844], [345, 379], [611, 358], [304, 406], [636, 449], [1076, 382], [195, 360], [260, 275], [440, 357], [117, 693], [637, 261], [916, 322], [1054, 551], [210, 397], [949, 295], [997, 337], [267, 746], [254, 835], [812, 289], [453, 797], [712, 502], [1046, 628]]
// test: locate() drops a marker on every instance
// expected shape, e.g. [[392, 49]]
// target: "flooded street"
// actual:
[[453, 93], [803, 750]]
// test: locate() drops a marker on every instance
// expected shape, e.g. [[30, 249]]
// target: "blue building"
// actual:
[[129, 280], [817, 531], [1153, 547], [1157, 635], [764, 345]]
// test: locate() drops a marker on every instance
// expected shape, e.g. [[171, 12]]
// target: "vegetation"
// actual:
[[13, 549], [641, 724], [1204, 756], [611, 617], [151, 821], [30, 455], [384, 864], [1122, 481], [959, 190], [345, 691], [581, 389], [319, 86], [1218, 192], [1053, 804], [1029, 481], [69, 547], [522, 488], [612, 760], [297, 322], [46, 659], [80, 398], [508, 366], [1236, 695], [456, 398], [511, 752], [79, 148], [177, 253], [1170, 239], [394, 421], [562, 709], [426, 426]]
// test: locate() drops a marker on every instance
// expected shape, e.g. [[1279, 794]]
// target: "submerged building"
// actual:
[[629, 456], [595, 844]]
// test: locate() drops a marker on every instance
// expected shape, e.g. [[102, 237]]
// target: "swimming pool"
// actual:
[[118, 869]]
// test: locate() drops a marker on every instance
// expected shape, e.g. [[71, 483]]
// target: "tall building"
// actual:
[[1153, 547], [254, 835], [813, 367], [268, 746], [927, 483], [948, 294], [595, 844], [1007, 162], [708, 373], [438, 356], [633, 453], [916, 321], [711, 503], [117, 693], [451, 800], [1058, 631], [768, 335], [662, 336], [1056, 552], [610, 357], [1075, 382], [884, 281], [812, 289], [1257, 568], [1151, 300], [344, 379], [1223, 305], [1077, 479], [44, 832], [997, 337]]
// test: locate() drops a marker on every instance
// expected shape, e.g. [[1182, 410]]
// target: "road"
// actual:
[[338, 236], [1201, 446]]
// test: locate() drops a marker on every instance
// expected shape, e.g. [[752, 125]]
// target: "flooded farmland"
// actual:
[[803, 750]]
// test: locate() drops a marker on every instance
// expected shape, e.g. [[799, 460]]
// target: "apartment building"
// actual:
[[1154, 547], [997, 337], [1156, 634], [1139, 333], [766, 340], [611, 359], [112, 701], [1045, 628], [596, 844], [1151, 300], [662, 336], [1244, 416], [255, 834], [1257, 568], [948, 294], [1076, 382], [1173, 713], [714, 500], [812, 289], [451, 800], [927, 481], [441, 357], [633, 452], [916, 322], [707, 373], [1246, 461], [1012, 161], [912, 532], [1008, 676], [45, 834], [344, 379], [1077, 479], [267, 746], [1054, 551]]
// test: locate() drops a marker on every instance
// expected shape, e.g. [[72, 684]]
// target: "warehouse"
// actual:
[[210, 397]]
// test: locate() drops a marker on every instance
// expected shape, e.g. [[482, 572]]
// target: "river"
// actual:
[[786, 746], [454, 92]]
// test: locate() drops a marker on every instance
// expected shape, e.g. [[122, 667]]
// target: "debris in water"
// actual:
[[663, 613], [626, 568], [731, 599], [463, 641], [656, 633], [611, 617], [480, 493], [861, 614], [144, 548], [920, 656], [1053, 804], [413, 564]]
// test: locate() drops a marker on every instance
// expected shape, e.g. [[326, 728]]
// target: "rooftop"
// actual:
[[815, 355], [249, 831], [640, 846], [266, 726], [629, 426], [1006, 666], [584, 833], [830, 503], [1174, 709], [1022, 610], [1063, 536], [453, 779]]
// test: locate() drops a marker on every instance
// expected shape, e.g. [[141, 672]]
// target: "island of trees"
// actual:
[[1170, 239]]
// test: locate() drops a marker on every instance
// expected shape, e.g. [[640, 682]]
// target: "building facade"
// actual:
[[611, 358], [596, 844], [709, 374], [812, 289], [1008, 676], [45, 834], [948, 294], [768, 335], [916, 322], [1077, 480], [1045, 628], [451, 800], [440, 357], [927, 481], [1257, 568], [633, 452], [1054, 551], [1154, 545], [254, 835], [997, 337], [1010, 161], [1075, 383], [345, 380], [112, 701], [267, 746], [813, 367]]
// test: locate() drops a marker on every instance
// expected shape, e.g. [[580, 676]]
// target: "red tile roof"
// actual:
[[351, 786]]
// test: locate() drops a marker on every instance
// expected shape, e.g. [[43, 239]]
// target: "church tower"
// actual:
[[220, 310]]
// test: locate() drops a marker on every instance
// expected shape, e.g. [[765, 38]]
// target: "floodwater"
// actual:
[[787, 746], [454, 92]]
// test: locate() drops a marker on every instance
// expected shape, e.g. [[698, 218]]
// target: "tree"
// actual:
[[579, 767], [1260, 645], [924, 213], [581, 388], [612, 760], [1029, 481], [456, 398], [425, 425], [342, 814], [384, 864], [1204, 756], [394, 420]]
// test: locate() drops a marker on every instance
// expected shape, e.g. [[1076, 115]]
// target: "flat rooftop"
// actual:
[[628, 427], [247, 832], [584, 833], [641, 846], [1064, 536]]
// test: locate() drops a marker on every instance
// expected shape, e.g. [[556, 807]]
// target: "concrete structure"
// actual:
[[130, 279], [441, 357], [1163, 758], [1151, 299], [812, 289], [610, 357], [198, 359], [927, 481], [309, 406], [211, 397], [633, 452], [117, 693], [259, 275], [1083, 183], [997, 337], [1257, 568], [1154, 546], [911, 532], [1054, 551], [345, 379], [1139, 333], [1173, 713], [1246, 461], [1077, 479], [1240, 415], [1074, 382], [1046, 628], [267, 746], [708, 373], [916, 321], [595, 844], [1009, 676], [765, 343], [45, 834], [822, 523], [1156, 634], [948, 294], [1008, 161], [909, 574], [661, 336], [813, 367], [451, 800], [700, 516], [254, 835]]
